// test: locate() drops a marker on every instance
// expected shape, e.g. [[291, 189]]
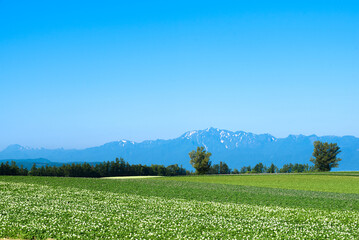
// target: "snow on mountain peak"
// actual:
[[17, 147], [189, 134], [123, 142]]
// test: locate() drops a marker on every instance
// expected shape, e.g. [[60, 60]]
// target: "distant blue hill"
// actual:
[[40, 162], [27, 163], [237, 149]]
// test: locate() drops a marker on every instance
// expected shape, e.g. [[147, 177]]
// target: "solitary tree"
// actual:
[[325, 156], [200, 160]]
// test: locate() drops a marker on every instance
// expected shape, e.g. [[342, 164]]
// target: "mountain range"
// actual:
[[237, 149]]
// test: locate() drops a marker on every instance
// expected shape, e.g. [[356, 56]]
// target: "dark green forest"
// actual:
[[106, 169], [121, 168]]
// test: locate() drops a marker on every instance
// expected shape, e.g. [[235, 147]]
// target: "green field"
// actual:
[[297, 206], [341, 183]]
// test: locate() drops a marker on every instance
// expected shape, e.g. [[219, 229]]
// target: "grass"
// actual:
[[339, 182], [175, 207], [342, 173], [130, 177]]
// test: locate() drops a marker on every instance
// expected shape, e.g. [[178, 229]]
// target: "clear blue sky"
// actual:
[[75, 74]]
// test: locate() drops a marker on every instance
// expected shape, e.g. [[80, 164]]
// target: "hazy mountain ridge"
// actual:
[[235, 148], [27, 163]]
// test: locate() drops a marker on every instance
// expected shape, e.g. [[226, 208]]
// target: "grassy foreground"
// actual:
[[170, 208]]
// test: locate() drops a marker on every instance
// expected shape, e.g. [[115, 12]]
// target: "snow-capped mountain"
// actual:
[[235, 148], [227, 139]]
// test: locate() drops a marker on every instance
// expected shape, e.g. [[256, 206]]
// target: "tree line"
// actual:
[[324, 159], [287, 168], [121, 168], [106, 169]]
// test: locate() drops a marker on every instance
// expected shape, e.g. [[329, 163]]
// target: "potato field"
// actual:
[[194, 207]]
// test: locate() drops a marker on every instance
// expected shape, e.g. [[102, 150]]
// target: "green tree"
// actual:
[[33, 171], [214, 169], [200, 160], [325, 156], [259, 168], [272, 169], [223, 168], [287, 168], [173, 170], [243, 169]]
